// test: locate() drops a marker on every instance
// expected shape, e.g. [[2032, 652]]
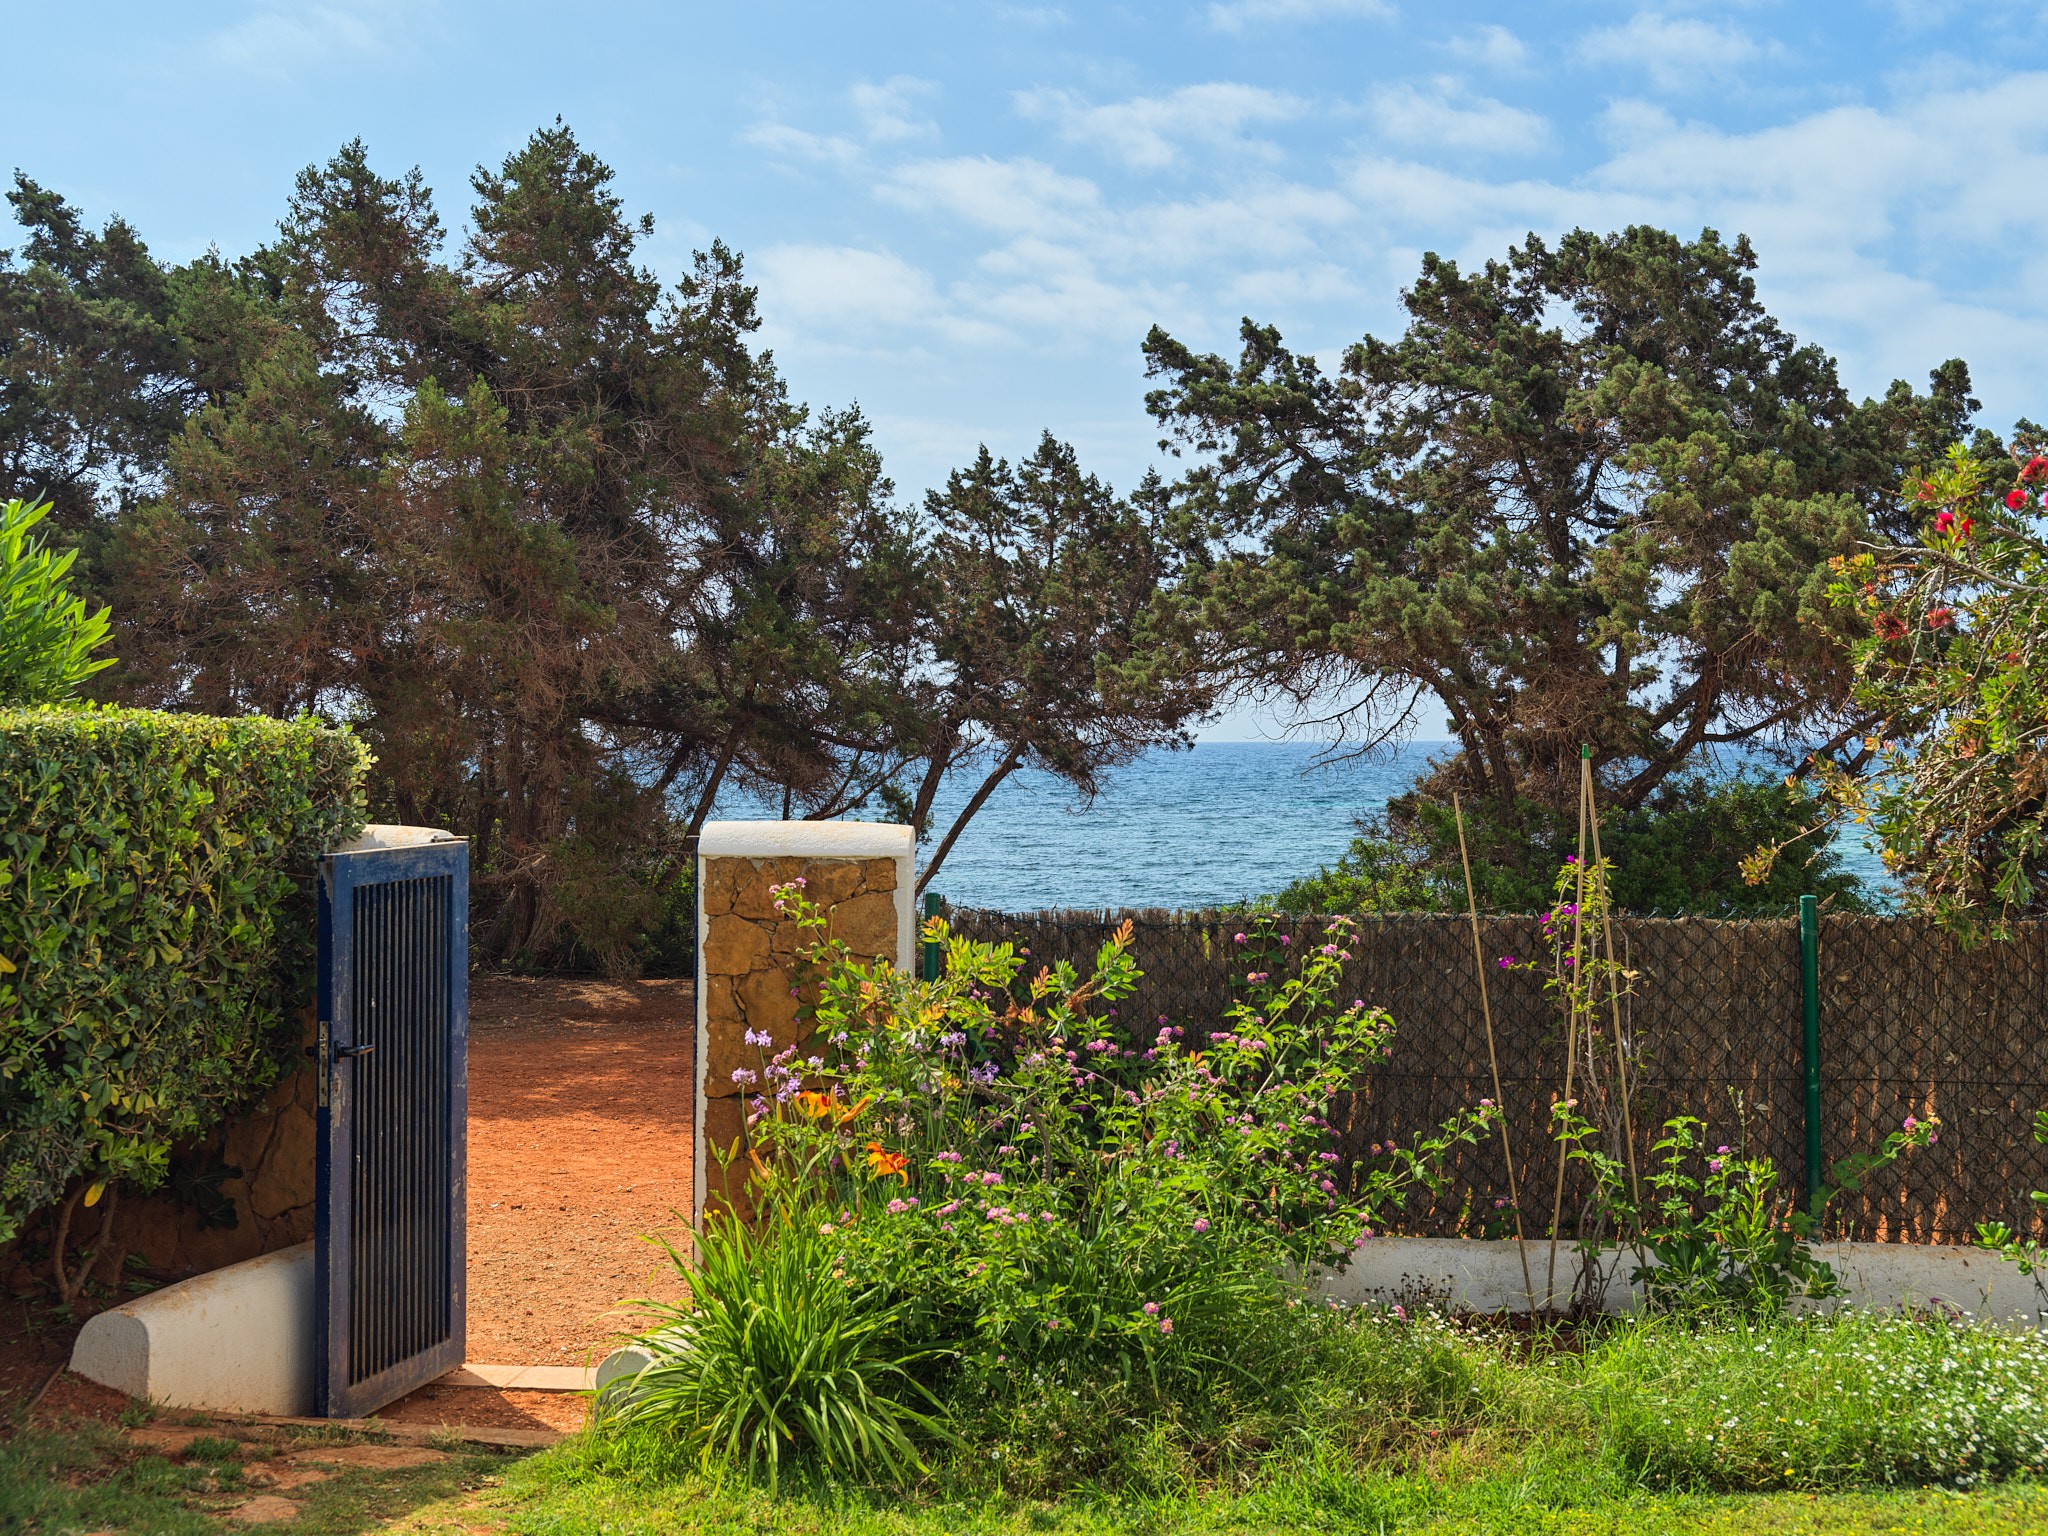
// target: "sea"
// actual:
[[1217, 823]]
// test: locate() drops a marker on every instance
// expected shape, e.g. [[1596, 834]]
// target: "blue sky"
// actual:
[[964, 217]]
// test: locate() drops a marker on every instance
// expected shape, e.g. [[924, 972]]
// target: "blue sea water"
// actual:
[[1190, 829]]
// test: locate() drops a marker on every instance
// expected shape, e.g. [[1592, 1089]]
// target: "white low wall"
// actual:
[[236, 1340], [1488, 1277]]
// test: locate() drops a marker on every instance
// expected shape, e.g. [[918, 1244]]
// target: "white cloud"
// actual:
[[1009, 197], [1493, 47], [1678, 53], [278, 38], [885, 113], [1448, 116], [1149, 132], [1237, 15], [788, 143]]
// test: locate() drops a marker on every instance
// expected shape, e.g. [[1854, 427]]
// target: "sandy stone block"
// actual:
[[766, 1002], [733, 946], [719, 876], [833, 880], [878, 874], [868, 925], [284, 1179], [752, 894]]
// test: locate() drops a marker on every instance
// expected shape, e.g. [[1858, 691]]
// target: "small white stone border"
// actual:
[[1479, 1276], [791, 840]]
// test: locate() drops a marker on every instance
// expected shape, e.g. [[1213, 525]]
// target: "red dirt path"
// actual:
[[580, 1101]]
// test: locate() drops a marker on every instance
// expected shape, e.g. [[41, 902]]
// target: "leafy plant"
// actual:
[[1681, 851], [2002, 1240], [1713, 1232], [156, 932], [778, 1354], [47, 636]]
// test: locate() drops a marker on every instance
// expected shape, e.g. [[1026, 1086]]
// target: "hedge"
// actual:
[[156, 929]]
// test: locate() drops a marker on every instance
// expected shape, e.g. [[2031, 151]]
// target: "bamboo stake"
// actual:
[[1571, 1034], [1500, 1102], [1628, 1130]]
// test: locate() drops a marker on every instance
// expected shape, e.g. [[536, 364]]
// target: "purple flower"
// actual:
[[1507, 962], [1151, 1309], [1237, 938], [1201, 1224], [746, 1077], [759, 1037], [1166, 1325]]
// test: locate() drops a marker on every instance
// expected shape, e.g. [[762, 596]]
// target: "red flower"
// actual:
[[2015, 499], [1944, 520], [1940, 618], [2036, 468], [1889, 626], [1968, 524]]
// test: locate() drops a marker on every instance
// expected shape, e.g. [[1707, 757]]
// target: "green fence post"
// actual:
[[931, 950], [1809, 997]]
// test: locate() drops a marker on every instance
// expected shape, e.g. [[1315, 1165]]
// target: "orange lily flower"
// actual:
[[886, 1163]]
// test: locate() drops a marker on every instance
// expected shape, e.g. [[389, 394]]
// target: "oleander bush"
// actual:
[[156, 930]]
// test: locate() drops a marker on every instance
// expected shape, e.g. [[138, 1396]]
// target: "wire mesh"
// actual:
[[1911, 1024]]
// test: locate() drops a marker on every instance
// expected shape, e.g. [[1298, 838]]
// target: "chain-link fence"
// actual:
[[1910, 1024]]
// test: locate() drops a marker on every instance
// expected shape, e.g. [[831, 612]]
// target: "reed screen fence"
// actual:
[[1910, 1024]]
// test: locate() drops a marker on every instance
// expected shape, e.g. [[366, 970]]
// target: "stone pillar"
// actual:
[[857, 871]]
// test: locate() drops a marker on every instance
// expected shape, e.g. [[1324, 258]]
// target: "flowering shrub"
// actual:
[[1713, 1232], [1953, 664], [1038, 1180]]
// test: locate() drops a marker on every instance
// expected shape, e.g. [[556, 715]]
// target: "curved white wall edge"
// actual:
[[235, 1340]]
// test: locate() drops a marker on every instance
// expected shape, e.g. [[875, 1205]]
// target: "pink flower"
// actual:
[[1201, 1224], [2015, 499], [1151, 1309], [1166, 1325]]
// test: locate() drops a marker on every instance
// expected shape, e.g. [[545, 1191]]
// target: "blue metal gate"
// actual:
[[392, 1058]]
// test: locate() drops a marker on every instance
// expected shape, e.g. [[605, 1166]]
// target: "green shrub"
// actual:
[[1681, 851], [156, 929], [47, 636]]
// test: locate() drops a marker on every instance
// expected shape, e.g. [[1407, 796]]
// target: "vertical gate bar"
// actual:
[[1809, 988]]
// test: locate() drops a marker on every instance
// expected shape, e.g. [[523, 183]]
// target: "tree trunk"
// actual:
[[988, 785]]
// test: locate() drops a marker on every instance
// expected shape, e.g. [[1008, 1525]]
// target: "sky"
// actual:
[[964, 218]]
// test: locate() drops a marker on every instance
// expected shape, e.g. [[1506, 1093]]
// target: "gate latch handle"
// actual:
[[347, 1051]]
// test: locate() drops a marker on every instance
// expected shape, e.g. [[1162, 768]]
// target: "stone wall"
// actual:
[[858, 873], [244, 1189]]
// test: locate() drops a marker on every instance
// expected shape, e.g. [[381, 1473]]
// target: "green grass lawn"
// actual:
[[88, 1479], [557, 1494]]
